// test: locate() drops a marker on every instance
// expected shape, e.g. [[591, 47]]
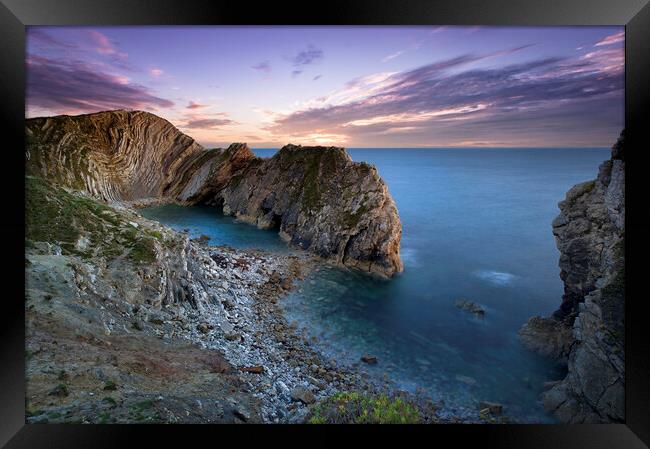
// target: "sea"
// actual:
[[476, 226]]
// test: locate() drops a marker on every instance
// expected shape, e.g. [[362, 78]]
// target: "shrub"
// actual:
[[357, 408]]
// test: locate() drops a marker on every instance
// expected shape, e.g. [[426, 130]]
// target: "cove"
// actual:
[[476, 225]]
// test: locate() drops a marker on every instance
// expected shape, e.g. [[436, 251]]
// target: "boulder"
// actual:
[[303, 395]]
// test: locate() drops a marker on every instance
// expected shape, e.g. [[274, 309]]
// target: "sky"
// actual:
[[362, 86]]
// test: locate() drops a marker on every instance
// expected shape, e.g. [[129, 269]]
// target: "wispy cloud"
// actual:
[[416, 44], [75, 87], [317, 77], [156, 72], [104, 46], [207, 122], [41, 37], [311, 55], [393, 55], [611, 39], [193, 105], [262, 67], [430, 99]]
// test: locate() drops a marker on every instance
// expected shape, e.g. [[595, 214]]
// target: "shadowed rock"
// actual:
[[588, 329]]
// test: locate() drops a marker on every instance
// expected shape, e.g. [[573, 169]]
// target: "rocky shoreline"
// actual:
[[225, 353], [587, 331]]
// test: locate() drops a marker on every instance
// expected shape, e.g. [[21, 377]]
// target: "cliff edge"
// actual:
[[587, 330]]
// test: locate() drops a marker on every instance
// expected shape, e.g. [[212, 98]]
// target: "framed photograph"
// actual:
[[370, 220]]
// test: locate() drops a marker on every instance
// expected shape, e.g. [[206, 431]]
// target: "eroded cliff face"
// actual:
[[588, 329], [317, 197]]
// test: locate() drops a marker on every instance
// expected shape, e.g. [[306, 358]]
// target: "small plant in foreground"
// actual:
[[357, 408]]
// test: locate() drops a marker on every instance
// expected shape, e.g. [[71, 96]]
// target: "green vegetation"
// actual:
[[110, 401], [60, 390], [109, 385], [582, 190], [143, 412], [350, 220], [155, 234], [142, 251], [105, 418], [55, 215], [357, 408], [310, 186]]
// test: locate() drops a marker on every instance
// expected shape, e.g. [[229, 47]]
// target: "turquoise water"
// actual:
[[476, 225], [210, 221]]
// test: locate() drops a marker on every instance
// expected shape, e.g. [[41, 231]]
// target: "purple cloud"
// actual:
[[611, 39], [207, 122], [75, 87], [40, 37], [304, 58], [430, 100], [262, 67], [193, 105]]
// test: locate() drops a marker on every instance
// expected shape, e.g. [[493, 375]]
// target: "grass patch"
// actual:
[[350, 220], [357, 408], [143, 251], [110, 401], [142, 412], [54, 215], [155, 234], [109, 385]]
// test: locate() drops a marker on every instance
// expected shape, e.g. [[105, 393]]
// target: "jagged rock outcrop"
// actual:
[[317, 197], [588, 329]]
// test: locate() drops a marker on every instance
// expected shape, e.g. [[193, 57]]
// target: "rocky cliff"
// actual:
[[128, 321], [317, 197], [587, 330]]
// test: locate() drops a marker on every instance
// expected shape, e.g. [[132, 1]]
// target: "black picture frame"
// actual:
[[16, 14]]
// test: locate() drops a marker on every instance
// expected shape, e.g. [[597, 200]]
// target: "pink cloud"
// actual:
[[104, 46], [193, 105], [61, 86], [155, 72], [611, 39], [207, 122]]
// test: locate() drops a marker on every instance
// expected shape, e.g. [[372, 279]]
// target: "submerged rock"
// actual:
[[470, 306], [369, 359], [316, 197]]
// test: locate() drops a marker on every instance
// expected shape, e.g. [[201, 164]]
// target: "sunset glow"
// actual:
[[349, 86]]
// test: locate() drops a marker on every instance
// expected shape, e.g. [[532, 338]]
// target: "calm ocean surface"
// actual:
[[476, 225]]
